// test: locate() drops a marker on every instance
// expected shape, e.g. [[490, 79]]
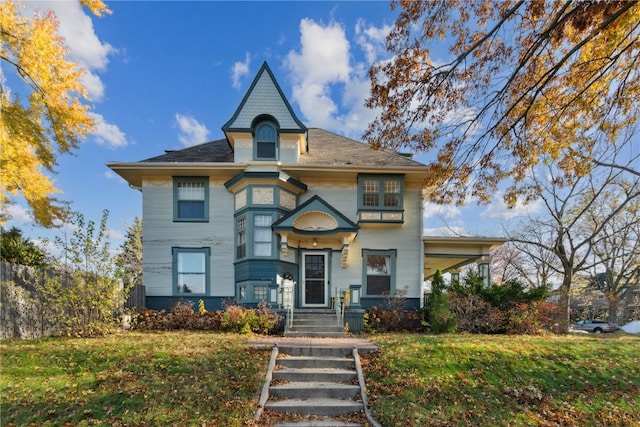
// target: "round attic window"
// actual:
[[315, 221]]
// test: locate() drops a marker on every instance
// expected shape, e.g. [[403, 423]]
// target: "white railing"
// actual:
[[286, 297], [341, 302]]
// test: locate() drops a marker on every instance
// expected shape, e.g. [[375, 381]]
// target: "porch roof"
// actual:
[[448, 253], [316, 222]]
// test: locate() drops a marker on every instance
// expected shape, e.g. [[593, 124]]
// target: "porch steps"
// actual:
[[314, 324], [312, 385]]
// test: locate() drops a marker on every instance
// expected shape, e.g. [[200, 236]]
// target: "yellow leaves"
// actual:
[[97, 7], [542, 80], [53, 119]]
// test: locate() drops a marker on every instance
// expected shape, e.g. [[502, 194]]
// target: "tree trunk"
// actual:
[[565, 306], [612, 299]]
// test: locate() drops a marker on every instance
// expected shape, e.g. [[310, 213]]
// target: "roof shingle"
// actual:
[[325, 148]]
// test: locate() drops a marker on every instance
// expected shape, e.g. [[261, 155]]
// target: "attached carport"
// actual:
[[449, 253]]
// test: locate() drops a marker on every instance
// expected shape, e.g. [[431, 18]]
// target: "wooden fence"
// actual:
[[23, 314]]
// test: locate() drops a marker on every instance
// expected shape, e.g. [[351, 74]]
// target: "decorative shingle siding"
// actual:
[[265, 99]]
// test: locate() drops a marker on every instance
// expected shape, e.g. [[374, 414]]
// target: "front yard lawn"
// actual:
[[493, 380], [214, 379]]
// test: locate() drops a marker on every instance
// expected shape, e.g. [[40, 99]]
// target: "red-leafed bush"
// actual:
[[234, 318]]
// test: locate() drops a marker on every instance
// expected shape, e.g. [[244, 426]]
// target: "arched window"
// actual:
[[266, 141]]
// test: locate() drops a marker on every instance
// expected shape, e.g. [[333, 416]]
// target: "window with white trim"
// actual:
[[262, 235]]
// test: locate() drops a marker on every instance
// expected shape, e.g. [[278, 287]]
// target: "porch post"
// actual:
[[484, 266]]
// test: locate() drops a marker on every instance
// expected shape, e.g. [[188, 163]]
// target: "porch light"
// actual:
[[315, 242]]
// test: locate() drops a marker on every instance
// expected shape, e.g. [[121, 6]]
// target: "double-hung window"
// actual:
[[262, 235], [241, 237], [190, 270], [379, 271], [266, 142], [380, 198], [191, 199]]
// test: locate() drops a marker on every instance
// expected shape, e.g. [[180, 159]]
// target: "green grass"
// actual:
[[136, 379], [481, 380], [213, 379]]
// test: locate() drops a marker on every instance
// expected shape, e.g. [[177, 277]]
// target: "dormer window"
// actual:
[[266, 141]]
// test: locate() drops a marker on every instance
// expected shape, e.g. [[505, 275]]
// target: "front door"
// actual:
[[314, 279]]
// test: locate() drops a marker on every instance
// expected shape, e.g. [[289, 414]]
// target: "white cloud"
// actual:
[[107, 134], [114, 177], [17, 215], [372, 40], [327, 84], [441, 211], [192, 132], [85, 48], [322, 62], [499, 209], [239, 70]]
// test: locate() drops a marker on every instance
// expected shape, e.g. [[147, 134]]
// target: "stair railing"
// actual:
[[288, 297], [341, 300]]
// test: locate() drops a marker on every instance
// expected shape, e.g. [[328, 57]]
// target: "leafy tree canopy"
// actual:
[[17, 249], [526, 82], [49, 120]]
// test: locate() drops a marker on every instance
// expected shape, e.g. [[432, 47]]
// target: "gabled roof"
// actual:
[[328, 148], [325, 149], [264, 97], [315, 217]]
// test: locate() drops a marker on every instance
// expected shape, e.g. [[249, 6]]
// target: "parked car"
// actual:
[[597, 326]]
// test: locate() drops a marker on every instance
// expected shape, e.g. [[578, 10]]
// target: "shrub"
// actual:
[[475, 315], [393, 317], [234, 318], [261, 320], [437, 310]]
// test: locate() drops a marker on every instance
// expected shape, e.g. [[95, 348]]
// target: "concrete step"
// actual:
[[324, 406], [312, 374], [325, 334], [314, 324], [315, 390], [315, 351], [317, 325], [315, 328], [318, 423], [317, 362]]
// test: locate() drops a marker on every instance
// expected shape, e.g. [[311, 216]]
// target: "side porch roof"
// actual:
[[448, 253]]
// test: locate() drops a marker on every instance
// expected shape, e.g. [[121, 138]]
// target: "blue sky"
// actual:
[[166, 75]]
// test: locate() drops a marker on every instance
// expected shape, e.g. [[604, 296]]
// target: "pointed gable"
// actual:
[[264, 97], [315, 217]]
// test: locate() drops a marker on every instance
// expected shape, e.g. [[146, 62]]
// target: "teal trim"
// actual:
[[316, 203], [381, 179], [190, 271], [253, 292], [265, 135], [176, 203], [241, 251], [276, 176], [392, 254], [251, 235]]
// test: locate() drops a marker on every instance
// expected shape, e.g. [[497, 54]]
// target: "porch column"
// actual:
[[484, 267]]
